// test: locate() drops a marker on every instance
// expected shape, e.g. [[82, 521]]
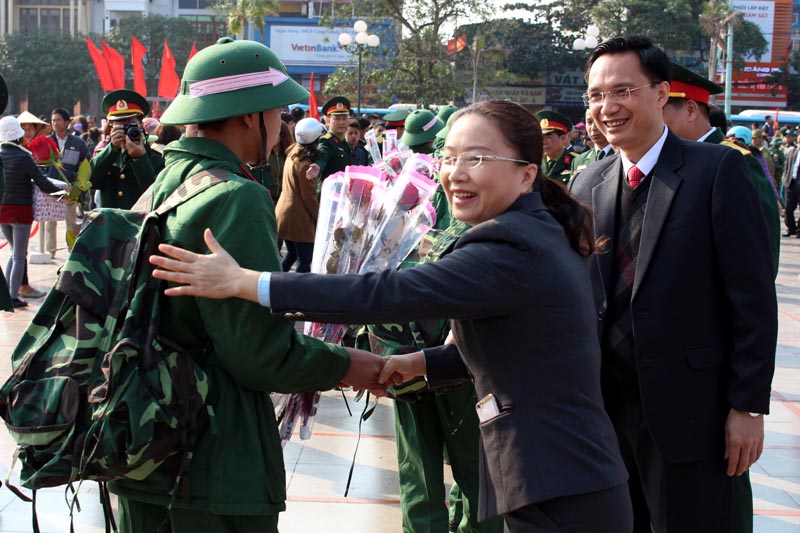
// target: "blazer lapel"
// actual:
[[664, 186], [604, 205]]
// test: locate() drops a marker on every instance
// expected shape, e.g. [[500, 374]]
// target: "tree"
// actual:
[[714, 21], [421, 70], [54, 69], [247, 13]]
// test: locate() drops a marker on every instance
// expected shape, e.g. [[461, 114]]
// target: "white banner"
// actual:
[[309, 45], [762, 14]]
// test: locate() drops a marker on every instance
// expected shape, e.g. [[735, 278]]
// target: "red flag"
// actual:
[[168, 82], [193, 51], [116, 65], [456, 45], [137, 59], [775, 122], [313, 110], [100, 66]]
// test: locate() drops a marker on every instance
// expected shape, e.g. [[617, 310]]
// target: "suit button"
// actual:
[[119, 193], [122, 176]]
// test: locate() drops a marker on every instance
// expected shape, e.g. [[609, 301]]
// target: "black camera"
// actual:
[[133, 132]]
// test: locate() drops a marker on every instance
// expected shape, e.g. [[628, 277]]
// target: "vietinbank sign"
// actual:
[[308, 45]]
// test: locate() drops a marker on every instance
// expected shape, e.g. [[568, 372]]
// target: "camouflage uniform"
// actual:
[[431, 425]]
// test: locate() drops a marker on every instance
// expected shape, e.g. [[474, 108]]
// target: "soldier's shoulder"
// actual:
[[745, 151]]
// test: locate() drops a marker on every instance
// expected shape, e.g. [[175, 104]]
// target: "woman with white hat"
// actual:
[[16, 211]]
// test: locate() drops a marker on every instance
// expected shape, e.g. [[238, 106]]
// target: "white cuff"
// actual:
[[263, 289]]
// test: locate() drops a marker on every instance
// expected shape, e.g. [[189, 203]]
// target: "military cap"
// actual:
[[788, 131], [338, 105], [553, 121], [3, 94], [445, 111], [124, 103], [421, 127], [396, 118], [691, 86], [230, 79], [444, 131]]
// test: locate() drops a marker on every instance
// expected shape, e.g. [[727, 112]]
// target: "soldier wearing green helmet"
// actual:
[[420, 131], [233, 91]]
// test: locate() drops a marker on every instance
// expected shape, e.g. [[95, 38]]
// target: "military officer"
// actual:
[[600, 148], [396, 120], [558, 159], [686, 114], [420, 131], [127, 166], [334, 152]]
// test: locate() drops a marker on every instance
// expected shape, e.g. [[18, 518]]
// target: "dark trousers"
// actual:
[[791, 205], [140, 517], [672, 497], [605, 511], [298, 251]]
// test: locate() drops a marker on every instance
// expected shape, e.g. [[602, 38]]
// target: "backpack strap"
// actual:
[[191, 187]]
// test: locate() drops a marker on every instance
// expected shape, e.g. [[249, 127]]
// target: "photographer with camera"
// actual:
[[127, 166]]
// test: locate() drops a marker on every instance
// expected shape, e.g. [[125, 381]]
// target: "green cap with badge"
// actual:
[[421, 127], [553, 121], [396, 118], [231, 79], [338, 105], [124, 103]]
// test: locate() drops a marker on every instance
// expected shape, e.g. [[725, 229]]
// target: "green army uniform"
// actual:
[[560, 168], [236, 481], [581, 161], [334, 155], [334, 152], [766, 193], [120, 178], [420, 131], [778, 157]]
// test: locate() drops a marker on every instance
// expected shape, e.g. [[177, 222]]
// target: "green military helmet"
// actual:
[[553, 121], [445, 112], [230, 79], [421, 127]]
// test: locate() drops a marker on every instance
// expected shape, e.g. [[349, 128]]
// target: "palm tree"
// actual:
[[246, 13], [714, 20]]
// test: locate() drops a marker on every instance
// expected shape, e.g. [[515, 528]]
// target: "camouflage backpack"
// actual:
[[97, 392]]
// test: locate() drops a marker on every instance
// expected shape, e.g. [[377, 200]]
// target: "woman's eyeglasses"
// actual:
[[474, 160]]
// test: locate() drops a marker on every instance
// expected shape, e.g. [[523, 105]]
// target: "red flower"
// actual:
[[409, 198], [44, 150]]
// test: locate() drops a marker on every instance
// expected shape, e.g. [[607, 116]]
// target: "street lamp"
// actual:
[[590, 41], [362, 43]]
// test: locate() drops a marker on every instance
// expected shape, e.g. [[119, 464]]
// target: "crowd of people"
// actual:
[[580, 277]]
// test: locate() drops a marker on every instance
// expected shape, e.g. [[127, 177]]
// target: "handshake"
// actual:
[[375, 373]]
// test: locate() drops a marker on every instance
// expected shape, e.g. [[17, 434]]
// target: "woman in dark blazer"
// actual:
[[516, 286]]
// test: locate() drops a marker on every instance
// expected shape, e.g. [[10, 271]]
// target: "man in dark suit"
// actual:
[[789, 180], [685, 298]]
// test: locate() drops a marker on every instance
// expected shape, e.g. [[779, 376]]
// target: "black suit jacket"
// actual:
[[521, 302], [703, 306]]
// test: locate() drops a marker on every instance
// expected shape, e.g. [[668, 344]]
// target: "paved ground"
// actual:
[[317, 469]]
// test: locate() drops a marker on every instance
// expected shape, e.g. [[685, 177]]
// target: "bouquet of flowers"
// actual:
[[369, 219]]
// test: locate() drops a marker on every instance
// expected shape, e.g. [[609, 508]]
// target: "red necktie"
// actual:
[[634, 176]]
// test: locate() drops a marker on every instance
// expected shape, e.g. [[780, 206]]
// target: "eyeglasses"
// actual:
[[596, 98], [474, 160]]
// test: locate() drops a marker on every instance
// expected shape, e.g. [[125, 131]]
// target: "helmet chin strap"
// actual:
[[263, 160]]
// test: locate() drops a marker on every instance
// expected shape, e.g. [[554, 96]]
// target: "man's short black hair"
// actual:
[[287, 117], [655, 63], [61, 111], [298, 114], [717, 118]]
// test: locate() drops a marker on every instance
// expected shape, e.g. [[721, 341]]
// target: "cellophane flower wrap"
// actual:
[[368, 221]]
